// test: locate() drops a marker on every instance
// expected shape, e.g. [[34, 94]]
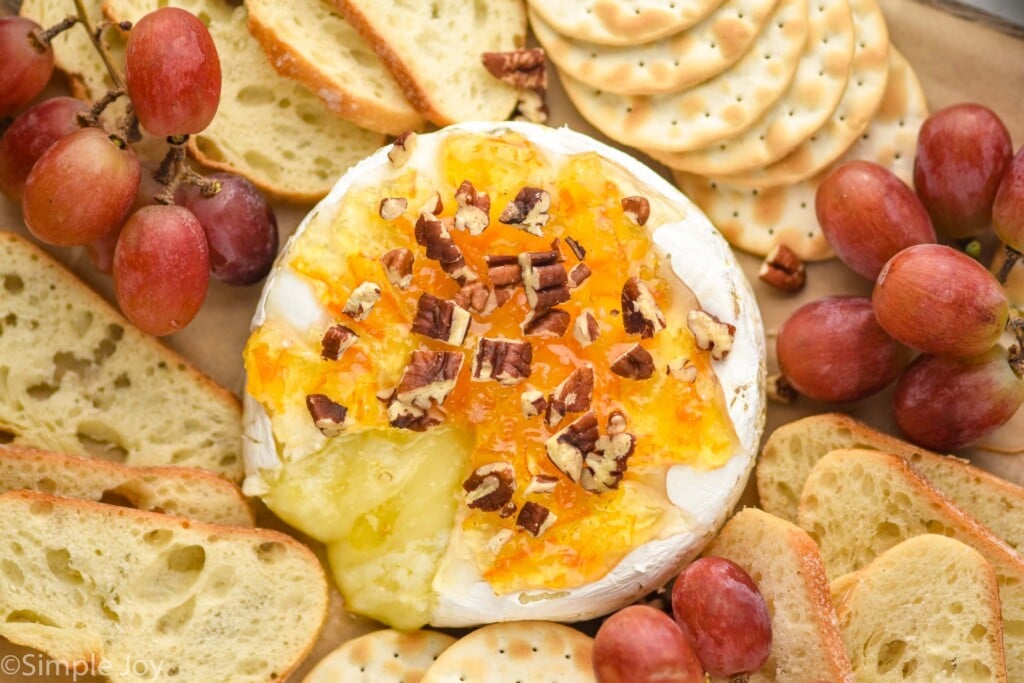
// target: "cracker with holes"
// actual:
[[514, 651], [711, 111], [864, 92], [757, 220], [140, 596], [678, 61], [384, 656], [622, 22], [812, 97]]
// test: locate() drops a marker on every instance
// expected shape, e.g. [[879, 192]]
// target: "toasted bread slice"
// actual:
[[96, 586], [925, 610], [792, 450], [180, 491], [434, 49], [857, 504], [80, 379], [786, 566]]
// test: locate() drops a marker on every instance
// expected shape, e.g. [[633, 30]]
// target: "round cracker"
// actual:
[[385, 656], [864, 91], [517, 651], [667, 65], [622, 22], [716, 109], [812, 97], [756, 220]]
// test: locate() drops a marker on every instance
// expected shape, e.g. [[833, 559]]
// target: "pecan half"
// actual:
[[682, 369], [402, 148], [505, 274], [528, 211], [541, 483], [398, 267], [636, 363], [578, 275], [544, 279], [476, 296], [524, 69], [711, 333], [586, 330], [550, 323], [606, 466], [535, 519], [783, 269], [532, 403], [336, 341], [506, 361], [426, 382], [432, 233], [637, 209], [568, 447], [473, 212], [577, 249], [328, 416], [640, 312], [490, 487], [441, 319], [573, 395], [392, 207], [362, 300]]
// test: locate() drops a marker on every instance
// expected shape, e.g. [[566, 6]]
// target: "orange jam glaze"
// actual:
[[673, 421]]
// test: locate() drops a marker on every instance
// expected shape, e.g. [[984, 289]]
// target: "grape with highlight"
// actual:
[[31, 134], [27, 64], [640, 644]]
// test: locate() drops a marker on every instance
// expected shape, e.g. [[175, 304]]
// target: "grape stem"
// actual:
[[1015, 324], [173, 171], [95, 35], [41, 38], [92, 117], [1012, 256]]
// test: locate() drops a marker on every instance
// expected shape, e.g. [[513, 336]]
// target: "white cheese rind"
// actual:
[[703, 260]]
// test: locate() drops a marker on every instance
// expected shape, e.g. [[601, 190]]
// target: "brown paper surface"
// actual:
[[956, 59]]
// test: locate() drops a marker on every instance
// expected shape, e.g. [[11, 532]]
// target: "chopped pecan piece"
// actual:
[[544, 279], [528, 211], [473, 213], [541, 483], [505, 274], [392, 207], [535, 519], [636, 363], [682, 369], [577, 249], [637, 209], [434, 205], [532, 403], [616, 422], [500, 538], [524, 69], [398, 267], [441, 319], [568, 447], [336, 341], [490, 487], [573, 395], [578, 275], [506, 361], [431, 233], [783, 269], [551, 323], [585, 329], [711, 333], [640, 312], [779, 390], [362, 300], [328, 416], [402, 149], [426, 382], [475, 296], [606, 466], [531, 106]]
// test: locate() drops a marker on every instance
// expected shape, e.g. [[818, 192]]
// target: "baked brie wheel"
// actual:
[[503, 372]]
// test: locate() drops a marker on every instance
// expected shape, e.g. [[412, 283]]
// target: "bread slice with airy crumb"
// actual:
[[925, 610], [78, 378], [857, 504], [434, 50], [787, 568], [180, 491], [793, 449], [99, 586], [309, 41]]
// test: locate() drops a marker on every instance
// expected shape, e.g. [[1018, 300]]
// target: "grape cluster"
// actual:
[[160, 235], [928, 297]]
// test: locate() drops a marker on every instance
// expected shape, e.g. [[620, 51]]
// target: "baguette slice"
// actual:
[[925, 610], [857, 504], [180, 491], [96, 586], [80, 379], [433, 49], [786, 566], [792, 450], [308, 40]]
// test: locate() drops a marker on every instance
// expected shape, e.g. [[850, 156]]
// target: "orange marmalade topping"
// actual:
[[673, 420]]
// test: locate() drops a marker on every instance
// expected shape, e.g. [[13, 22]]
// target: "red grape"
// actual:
[[27, 65], [640, 644], [868, 214], [833, 349], [944, 403], [962, 152], [161, 268], [939, 300], [1008, 209], [30, 135], [724, 615], [101, 251], [240, 227], [172, 72], [80, 188]]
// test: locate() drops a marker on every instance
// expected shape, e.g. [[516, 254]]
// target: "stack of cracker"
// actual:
[[749, 102]]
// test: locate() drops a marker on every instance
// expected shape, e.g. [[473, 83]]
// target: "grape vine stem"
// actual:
[[94, 36]]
